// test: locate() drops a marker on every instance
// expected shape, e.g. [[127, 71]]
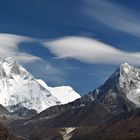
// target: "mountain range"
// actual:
[[40, 112]]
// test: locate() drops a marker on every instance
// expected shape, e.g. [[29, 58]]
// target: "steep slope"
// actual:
[[121, 91], [19, 89], [94, 114], [3, 110]]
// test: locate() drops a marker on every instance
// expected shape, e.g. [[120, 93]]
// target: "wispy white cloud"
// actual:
[[113, 15], [9, 47], [90, 51], [80, 48]]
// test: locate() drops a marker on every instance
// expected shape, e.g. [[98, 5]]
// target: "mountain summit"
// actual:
[[18, 89], [121, 91]]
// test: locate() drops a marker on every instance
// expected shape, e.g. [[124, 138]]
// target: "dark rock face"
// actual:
[[6, 117], [5, 134], [25, 113], [3, 110], [92, 114]]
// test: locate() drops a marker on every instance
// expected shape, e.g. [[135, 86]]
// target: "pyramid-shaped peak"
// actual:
[[121, 91]]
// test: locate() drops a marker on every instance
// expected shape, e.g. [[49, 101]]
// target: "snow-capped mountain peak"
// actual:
[[121, 91], [18, 88]]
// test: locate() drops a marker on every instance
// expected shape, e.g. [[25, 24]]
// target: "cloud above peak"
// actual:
[[84, 49], [9, 47], [89, 51]]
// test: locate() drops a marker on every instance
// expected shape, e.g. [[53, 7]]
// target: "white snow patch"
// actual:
[[64, 94]]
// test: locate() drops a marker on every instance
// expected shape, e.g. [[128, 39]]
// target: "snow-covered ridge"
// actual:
[[63, 93], [18, 88]]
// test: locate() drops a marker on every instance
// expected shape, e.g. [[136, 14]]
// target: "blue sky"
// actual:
[[71, 42]]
